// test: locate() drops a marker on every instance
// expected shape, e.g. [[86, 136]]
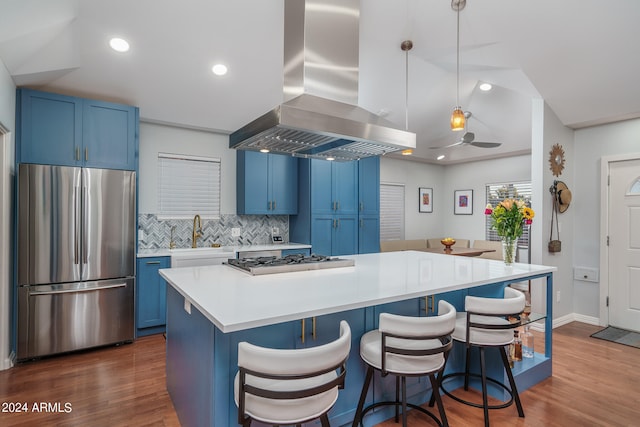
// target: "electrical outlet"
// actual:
[[275, 230], [140, 235], [558, 296], [235, 232]]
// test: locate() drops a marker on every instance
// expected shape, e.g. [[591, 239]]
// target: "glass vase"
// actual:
[[509, 250]]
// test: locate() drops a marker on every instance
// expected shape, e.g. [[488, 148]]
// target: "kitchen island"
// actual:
[[211, 309]]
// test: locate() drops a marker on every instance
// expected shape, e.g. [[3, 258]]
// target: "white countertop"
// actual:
[[234, 300], [145, 253]]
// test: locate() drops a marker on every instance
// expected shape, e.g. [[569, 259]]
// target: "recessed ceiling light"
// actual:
[[485, 86], [219, 69], [119, 45], [440, 157]]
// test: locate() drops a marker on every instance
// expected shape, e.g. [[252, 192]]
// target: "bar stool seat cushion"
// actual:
[[371, 353], [288, 411], [485, 337]]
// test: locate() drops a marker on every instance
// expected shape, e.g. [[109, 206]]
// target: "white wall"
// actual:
[[7, 160], [445, 180], [415, 175], [475, 176], [554, 132], [155, 138], [591, 144]]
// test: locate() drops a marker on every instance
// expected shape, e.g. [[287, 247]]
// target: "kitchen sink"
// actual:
[[194, 257]]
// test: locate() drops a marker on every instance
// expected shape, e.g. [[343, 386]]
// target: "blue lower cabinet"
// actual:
[[151, 296], [368, 234], [334, 234]]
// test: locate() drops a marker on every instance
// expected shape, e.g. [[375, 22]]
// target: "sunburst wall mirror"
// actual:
[[556, 159]]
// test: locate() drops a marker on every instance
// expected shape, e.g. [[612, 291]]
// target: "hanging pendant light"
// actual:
[[457, 117], [406, 46]]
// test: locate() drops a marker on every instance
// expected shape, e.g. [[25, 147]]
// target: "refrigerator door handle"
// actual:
[[69, 291], [76, 226], [85, 231]]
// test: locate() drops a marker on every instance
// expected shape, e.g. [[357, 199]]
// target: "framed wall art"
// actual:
[[425, 201], [463, 202]]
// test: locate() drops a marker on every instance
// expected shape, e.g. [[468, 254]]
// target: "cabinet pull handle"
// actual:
[[77, 153], [313, 327], [274, 205], [302, 335], [86, 154], [429, 308], [153, 262], [337, 223], [269, 205], [337, 206]]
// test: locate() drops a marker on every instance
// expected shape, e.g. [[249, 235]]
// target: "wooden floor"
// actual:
[[594, 383]]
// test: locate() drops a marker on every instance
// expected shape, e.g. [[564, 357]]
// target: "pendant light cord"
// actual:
[[406, 90], [458, 58]]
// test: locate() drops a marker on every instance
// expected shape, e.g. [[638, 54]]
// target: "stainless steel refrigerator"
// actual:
[[76, 258]]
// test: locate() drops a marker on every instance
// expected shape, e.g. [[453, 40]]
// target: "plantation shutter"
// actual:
[[391, 211]]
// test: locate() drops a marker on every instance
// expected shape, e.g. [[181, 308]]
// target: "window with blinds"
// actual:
[[391, 211], [188, 185], [511, 190]]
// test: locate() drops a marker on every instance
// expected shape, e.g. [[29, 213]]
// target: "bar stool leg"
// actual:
[[397, 397], [466, 369], [512, 382], [363, 395], [324, 420], [404, 401], [435, 395], [485, 399]]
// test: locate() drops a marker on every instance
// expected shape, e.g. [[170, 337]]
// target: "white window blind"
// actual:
[[188, 185], [510, 190], [391, 211]]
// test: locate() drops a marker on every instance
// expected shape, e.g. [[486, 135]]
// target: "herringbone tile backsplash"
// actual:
[[254, 230]]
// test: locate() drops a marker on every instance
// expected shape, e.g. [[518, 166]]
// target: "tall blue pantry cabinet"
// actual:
[[56, 129], [338, 206]]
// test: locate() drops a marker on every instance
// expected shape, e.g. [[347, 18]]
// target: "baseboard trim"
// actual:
[[563, 320], [590, 320], [8, 362]]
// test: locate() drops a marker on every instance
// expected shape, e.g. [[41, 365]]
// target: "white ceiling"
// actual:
[[578, 55]]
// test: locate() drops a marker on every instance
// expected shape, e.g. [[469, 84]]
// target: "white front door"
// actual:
[[624, 244]]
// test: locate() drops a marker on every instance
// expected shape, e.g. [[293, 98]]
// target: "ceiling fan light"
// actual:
[[457, 119]]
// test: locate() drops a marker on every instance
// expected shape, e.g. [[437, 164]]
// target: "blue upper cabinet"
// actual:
[[49, 128], [69, 131], [369, 186], [109, 135], [267, 184], [333, 187]]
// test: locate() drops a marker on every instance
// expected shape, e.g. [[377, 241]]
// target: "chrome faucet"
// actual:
[[172, 243], [197, 231]]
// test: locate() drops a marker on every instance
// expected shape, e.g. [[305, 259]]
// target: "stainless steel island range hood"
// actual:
[[320, 117]]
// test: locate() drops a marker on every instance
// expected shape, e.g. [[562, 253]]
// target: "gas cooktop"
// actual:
[[295, 262]]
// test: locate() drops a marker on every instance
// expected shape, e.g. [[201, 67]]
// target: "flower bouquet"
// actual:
[[508, 219]]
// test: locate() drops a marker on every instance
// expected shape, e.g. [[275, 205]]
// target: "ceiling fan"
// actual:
[[469, 139]]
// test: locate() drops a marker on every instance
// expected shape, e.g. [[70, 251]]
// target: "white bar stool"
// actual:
[[287, 387], [485, 324], [407, 346]]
